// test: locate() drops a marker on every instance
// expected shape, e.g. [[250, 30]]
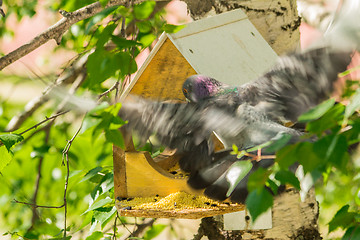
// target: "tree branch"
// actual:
[[58, 29]]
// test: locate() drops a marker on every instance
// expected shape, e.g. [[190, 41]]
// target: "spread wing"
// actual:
[[296, 83]]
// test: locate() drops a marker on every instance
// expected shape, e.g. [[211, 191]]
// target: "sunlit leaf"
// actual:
[[329, 120], [92, 173], [357, 197], [343, 219], [95, 236], [317, 111], [10, 139], [154, 231], [103, 2], [144, 26], [169, 28], [115, 137], [236, 173], [5, 157], [353, 105], [144, 9], [278, 142], [103, 215], [148, 39], [99, 204], [101, 65]]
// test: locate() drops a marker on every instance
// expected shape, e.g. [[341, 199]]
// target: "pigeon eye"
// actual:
[[185, 90]]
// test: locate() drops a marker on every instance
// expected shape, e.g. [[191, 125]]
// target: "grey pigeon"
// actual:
[[245, 116]]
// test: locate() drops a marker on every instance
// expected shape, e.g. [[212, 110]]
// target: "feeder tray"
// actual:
[[205, 47]]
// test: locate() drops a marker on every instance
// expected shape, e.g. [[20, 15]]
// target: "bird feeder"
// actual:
[[227, 47]]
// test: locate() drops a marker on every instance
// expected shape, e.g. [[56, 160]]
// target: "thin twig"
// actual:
[[57, 30], [66, 157], [35, 215], [115, 228], [141, 227], [37, 206], [113, 87], [44, 121], [124, 225]]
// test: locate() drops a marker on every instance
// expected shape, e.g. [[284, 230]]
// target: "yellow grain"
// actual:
[[174, 201]]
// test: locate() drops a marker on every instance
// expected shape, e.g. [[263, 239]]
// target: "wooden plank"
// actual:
[[120, 189], [164, 74], [144, 178], [179, 213]]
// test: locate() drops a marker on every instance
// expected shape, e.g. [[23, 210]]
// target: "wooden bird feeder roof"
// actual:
[[227, 47]]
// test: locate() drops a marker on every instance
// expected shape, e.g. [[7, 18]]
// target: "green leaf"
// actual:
[[103, 2], [236, 173], [357, 196], [147, 40], [5, 157], [92, 173], [337, 151], [144, 26], [278, 142], [122, 43], [10, 139], [258, 179], [99, 204], [169, 28], [101, 65], [143, 10], [258, 202], [95, 236], [343, 219], [329, 120], [352, 233], [115, 137], [353, 105], [154, 231], [285, 177], [105, 34], [103, 215], [307, 156], [317, 111], [126, 63], [39, 151], [287, 156], [60, 238]]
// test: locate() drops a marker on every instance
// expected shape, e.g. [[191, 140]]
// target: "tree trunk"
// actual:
[[277, 21]]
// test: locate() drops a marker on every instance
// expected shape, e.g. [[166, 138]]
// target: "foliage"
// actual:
[[328, 157], [34, 159], [64, 166]]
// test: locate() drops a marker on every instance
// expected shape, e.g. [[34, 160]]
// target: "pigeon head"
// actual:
[[199, 87]]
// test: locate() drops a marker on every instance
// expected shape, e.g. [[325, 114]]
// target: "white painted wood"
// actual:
[[227, 47], [242, 221]]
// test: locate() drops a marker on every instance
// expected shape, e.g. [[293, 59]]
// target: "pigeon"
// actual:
[[246, 115]]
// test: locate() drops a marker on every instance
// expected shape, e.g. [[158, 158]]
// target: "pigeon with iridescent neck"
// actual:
[[246, 115]]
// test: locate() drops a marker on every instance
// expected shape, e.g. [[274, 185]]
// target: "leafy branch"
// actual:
[[57, 30]]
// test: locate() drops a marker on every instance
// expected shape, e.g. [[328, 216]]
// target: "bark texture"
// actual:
[[291, 219], [277, 21]]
